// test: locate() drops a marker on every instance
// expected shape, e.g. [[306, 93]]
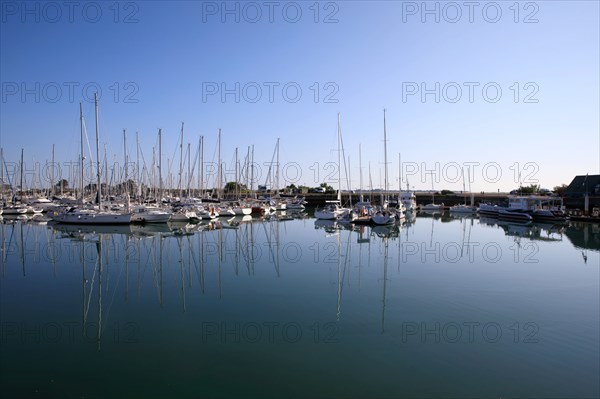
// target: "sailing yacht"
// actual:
[[92, 216], [464, 208], [333, 209], [433, 206], [384, 215], [96, 215]]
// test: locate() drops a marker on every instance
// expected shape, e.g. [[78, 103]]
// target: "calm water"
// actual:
[[282, 308]]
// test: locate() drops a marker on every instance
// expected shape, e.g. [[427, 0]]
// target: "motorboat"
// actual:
[[144, 214], [463, 208]]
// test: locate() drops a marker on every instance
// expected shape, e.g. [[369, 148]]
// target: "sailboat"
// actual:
[[463, 208], [82, 215], [363, 210], [18, 208], [406, 198], [384, 215], [433, 206], [142, 213], [333, 209]]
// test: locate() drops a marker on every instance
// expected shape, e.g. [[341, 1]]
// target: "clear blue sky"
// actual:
[[171, 57]]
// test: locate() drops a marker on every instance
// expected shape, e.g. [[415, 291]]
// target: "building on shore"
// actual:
[[582, 185]]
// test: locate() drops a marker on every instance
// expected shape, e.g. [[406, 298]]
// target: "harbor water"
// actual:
[[293, 307]]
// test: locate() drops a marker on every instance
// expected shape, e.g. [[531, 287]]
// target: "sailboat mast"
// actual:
[[246, 168], [219, 166], [360, 170], [160, 181], [21, 169], [201, 166], [236, 171], [385, 174], [349, 182], [339, 193], [98, 195], [106, 185], [277, 170], [252, 170], [199, 160], [181, 162], [137, 166], [126, 176], [189, 174], [52, 182], [399, 175]]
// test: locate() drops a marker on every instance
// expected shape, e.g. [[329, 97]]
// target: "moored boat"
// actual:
[[91, 216], [143, 214]]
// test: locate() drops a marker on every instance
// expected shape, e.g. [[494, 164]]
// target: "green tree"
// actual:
[[327, 187], [531, 189], [560, 190], [62, 184], [232, 187]]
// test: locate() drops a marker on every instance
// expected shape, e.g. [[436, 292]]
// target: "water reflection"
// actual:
[[184, 253], [529, 230], [162, 282]]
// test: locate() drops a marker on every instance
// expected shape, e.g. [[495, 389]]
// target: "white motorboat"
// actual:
[[184, 215], [383, 217], [143, 214], [331, 211], [515, 214], [533, 207], [409, 200], [240, 210], [463, 208], [43, 204], [433, 207], [206, 214], [295, 203], [491, 209]]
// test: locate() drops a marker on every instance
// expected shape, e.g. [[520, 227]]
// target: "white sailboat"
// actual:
[[92, 216], [406, 198], [384, 215], [333, 209], [463, 208], [433, 206]]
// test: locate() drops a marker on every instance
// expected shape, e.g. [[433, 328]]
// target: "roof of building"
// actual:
[[584, 184]]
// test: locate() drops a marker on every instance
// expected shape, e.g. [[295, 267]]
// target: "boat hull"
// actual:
[[515, 215], [91, 218], [382, 220]]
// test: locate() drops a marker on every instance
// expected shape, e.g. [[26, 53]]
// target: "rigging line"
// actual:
[[91, 287], [191, 177]]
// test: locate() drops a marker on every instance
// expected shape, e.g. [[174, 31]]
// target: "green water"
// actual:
[[438, 307]]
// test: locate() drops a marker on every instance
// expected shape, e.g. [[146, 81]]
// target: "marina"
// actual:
[[314, 199]]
